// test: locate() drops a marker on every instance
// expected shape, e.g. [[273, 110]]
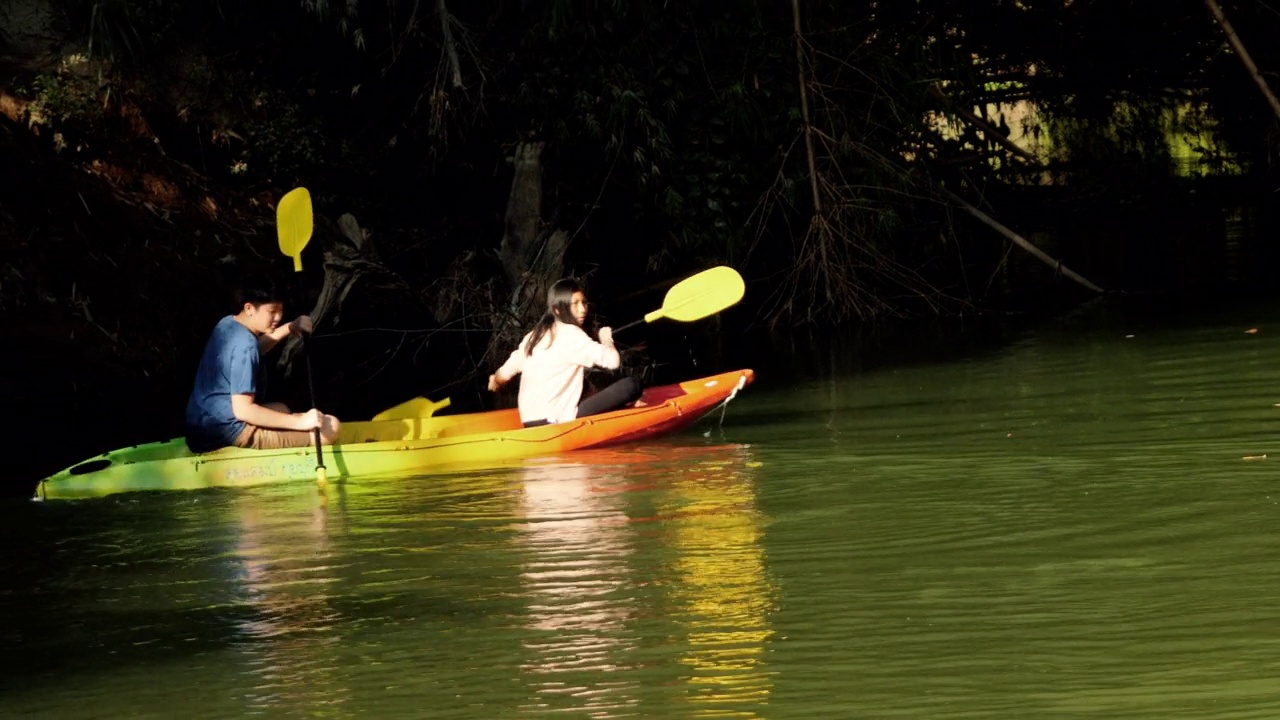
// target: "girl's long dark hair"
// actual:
[[559, 297]]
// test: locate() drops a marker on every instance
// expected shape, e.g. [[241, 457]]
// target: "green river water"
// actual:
[[1061, 523]]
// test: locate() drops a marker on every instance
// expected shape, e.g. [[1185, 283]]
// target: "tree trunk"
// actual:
[[524, 212], [1238, 46], [531, 257], [349, 259]]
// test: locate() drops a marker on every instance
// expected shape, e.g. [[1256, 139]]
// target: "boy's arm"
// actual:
[[248, 411], [267, 341]]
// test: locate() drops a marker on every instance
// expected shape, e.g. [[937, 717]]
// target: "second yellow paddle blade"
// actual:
[[706, 293], [414, 408], [293, 223]]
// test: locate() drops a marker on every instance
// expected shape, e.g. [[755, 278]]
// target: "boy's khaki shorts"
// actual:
[[260, 438]]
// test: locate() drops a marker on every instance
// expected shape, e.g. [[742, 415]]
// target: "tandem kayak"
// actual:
[[394, 447]]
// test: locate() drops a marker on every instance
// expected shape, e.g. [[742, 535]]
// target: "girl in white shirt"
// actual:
[[553, 358]]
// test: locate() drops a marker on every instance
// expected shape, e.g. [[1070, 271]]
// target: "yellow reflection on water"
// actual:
[[584, 588], [575, 576], [723, 595], [290, 639]]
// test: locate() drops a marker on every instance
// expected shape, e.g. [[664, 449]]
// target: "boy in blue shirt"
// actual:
[[223, 410]]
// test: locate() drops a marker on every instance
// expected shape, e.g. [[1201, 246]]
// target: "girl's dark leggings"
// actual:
[[622, 392]]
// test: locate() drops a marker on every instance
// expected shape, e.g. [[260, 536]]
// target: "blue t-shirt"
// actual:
[[228, 367]]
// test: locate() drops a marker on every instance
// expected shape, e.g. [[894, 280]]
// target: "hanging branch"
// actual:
[[818, 222], [839, 268], [804, 109], [1243, 54], [455, 67], [1021, 241]]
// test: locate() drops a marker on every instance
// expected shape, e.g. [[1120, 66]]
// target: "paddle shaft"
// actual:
[[311, 385], [311, 388], [628, 325]]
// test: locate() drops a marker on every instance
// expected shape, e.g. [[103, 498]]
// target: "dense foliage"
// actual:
[[674, 132]]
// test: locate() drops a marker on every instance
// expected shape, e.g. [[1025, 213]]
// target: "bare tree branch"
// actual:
[[455, 67], [1021, 241], [990, 131], [1238, 46]]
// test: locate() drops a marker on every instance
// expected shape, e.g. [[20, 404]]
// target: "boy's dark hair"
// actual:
[[257, 291]]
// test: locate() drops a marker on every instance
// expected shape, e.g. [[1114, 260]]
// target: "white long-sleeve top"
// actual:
[[552, 383]]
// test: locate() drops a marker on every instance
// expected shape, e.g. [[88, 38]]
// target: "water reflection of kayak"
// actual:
[[394, 447]]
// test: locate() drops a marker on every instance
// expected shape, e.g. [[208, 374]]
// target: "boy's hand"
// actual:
[[312, 419], [302, 323]]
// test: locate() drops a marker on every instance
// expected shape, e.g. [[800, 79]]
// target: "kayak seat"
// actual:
[[490, 422]]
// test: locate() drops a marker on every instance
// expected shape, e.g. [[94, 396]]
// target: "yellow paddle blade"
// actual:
[[418, 407], [706, 293], [293, 223]]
